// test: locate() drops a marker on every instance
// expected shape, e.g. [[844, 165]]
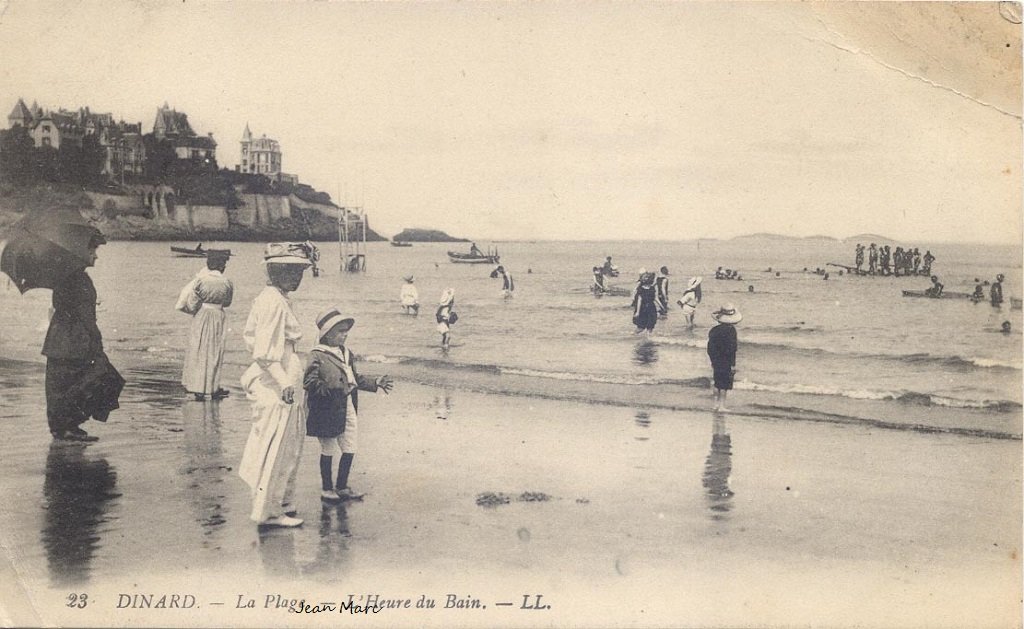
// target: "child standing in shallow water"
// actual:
[[722, 351], [410, 296], [446, 317], [332, 384]]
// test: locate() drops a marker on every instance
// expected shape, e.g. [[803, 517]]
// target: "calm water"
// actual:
[[845, 338]]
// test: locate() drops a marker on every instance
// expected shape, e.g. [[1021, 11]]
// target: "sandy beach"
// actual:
[[614, 515]]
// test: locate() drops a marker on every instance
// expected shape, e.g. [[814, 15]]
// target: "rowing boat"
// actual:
[[185, 252], [470, 258], [944, 295]]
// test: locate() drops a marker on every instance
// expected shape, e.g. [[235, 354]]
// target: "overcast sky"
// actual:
[[576, 121]]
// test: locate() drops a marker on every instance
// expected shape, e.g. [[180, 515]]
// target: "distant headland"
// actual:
[[419, 234]]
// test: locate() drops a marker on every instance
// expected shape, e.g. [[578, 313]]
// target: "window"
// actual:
[[46, 128]]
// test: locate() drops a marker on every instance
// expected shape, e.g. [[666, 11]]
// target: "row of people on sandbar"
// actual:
[[885, 261]]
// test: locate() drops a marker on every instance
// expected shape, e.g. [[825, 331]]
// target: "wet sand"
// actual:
[[615, 514]]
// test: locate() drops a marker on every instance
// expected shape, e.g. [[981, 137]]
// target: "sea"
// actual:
[[846, 346]]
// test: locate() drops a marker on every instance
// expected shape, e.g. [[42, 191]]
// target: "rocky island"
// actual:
[[419, 234]]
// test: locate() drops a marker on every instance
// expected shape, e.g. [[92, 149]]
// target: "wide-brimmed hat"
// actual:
[[331, 318], [286, 253], [446, 297], [408, 278], [727, 314], [694, 282]]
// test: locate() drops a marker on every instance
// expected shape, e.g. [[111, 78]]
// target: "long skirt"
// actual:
[[270, 461], [77, 390], [205, 351], [61, 413]]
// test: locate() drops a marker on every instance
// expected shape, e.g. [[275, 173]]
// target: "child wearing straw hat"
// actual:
[[446, 317], [690, 299], [410, 296], [722, 352], [332, 384]]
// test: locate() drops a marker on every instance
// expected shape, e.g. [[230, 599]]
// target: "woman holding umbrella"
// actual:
[[78, 374]]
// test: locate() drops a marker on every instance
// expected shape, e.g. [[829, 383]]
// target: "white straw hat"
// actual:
[[727, 314]]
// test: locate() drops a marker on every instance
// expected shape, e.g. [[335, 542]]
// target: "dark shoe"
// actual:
[[220, 394], [82, 435], [199, 397], [75, 435], [348, 494]]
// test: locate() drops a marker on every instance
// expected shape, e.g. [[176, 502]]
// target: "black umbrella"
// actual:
[[44, 247]]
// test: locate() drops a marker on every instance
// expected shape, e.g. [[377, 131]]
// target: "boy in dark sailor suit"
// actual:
[[332, 383]]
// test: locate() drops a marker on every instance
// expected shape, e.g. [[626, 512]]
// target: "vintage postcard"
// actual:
[[452, 314]]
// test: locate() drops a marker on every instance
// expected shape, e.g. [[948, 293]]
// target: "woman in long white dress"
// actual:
[[273, 383], [205, 298]]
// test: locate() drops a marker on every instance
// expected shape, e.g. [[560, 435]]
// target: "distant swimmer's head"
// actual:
[[750, 288], [1006, 327]]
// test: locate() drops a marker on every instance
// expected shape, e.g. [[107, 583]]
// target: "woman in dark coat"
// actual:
[[645, 308], [80, 382]]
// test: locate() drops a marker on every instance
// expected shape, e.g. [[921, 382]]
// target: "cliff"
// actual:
[[152, 213]]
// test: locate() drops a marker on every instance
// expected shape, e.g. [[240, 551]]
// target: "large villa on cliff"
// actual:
[[262, 156]]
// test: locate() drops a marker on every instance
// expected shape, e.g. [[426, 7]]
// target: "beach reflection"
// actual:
[[205, 467], [332, 548], [443, 404], [79, 491], [643, 420], [717, 469], [277, 551], [645, 353]]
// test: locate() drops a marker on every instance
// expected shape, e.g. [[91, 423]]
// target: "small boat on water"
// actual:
[[399, 243], [198, 252], [944, 295], [474, 257]]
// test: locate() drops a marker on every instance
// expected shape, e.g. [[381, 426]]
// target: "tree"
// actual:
[[17, 156]]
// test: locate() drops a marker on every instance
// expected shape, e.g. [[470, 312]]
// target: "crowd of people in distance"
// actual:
[[727, 274], [886, 261]]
